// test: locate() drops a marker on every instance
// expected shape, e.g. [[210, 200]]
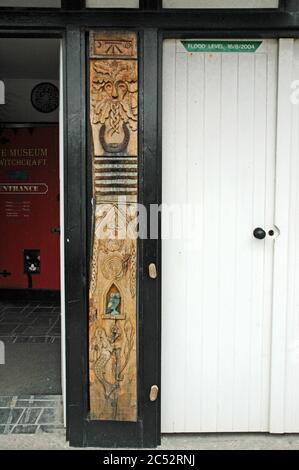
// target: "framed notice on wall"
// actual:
[[29, 207]]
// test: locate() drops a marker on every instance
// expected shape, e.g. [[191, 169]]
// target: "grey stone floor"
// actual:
[[56, 441], [29, 414], [30, 322]]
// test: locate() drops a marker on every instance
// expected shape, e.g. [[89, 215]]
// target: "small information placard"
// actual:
[[221, 46]]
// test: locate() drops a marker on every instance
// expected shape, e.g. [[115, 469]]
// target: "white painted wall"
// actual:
[[18, 107]]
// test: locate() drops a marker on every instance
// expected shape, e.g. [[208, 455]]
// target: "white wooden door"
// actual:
[[219, 147]]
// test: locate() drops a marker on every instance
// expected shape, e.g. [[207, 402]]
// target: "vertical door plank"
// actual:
[[285, 364], [292, 349], [174, 173], [211, 225], [272, 64], [243, 286], [194, 227], [280, 275], [228, 171]]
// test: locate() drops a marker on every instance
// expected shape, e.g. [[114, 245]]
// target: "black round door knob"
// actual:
[[259, 233]]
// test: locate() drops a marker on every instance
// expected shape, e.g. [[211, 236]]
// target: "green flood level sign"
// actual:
[[221, 46]]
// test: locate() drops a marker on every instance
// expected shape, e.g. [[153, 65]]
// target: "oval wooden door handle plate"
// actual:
[[152, 271], [154, 393]]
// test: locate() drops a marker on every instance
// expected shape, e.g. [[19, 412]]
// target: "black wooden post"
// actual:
[[150, 190], [75, 235]]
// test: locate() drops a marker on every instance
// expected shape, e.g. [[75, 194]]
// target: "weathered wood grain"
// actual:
[[114, 106], [112, 296]]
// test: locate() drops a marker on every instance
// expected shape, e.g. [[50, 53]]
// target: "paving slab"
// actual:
[[56, 441]]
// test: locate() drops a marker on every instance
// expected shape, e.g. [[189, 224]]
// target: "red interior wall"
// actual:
[[29, 205]]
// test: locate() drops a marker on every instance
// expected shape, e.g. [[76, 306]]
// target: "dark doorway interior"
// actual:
[[30, 313]]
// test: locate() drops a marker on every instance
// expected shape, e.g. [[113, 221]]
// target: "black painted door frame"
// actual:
[[152, 28], [146, 431], [81, 430]]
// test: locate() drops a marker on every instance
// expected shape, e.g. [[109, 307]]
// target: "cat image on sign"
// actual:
[[32, 262]]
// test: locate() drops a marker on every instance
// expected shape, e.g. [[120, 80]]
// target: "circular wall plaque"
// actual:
[[45, 97]]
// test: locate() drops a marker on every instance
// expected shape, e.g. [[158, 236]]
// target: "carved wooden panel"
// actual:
[[104, 44], [114, 106], [112, 296]]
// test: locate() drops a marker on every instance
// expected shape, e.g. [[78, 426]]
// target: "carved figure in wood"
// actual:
[[110, 355], [113, 361], [114, 103]]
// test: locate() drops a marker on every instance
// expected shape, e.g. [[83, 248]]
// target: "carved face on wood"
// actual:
[[116, 90], [114, 94]]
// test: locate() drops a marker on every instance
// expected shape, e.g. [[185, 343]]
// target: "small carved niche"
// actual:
[[113, 306]]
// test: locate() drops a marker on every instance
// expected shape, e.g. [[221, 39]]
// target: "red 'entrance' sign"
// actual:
[[33, 188]]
